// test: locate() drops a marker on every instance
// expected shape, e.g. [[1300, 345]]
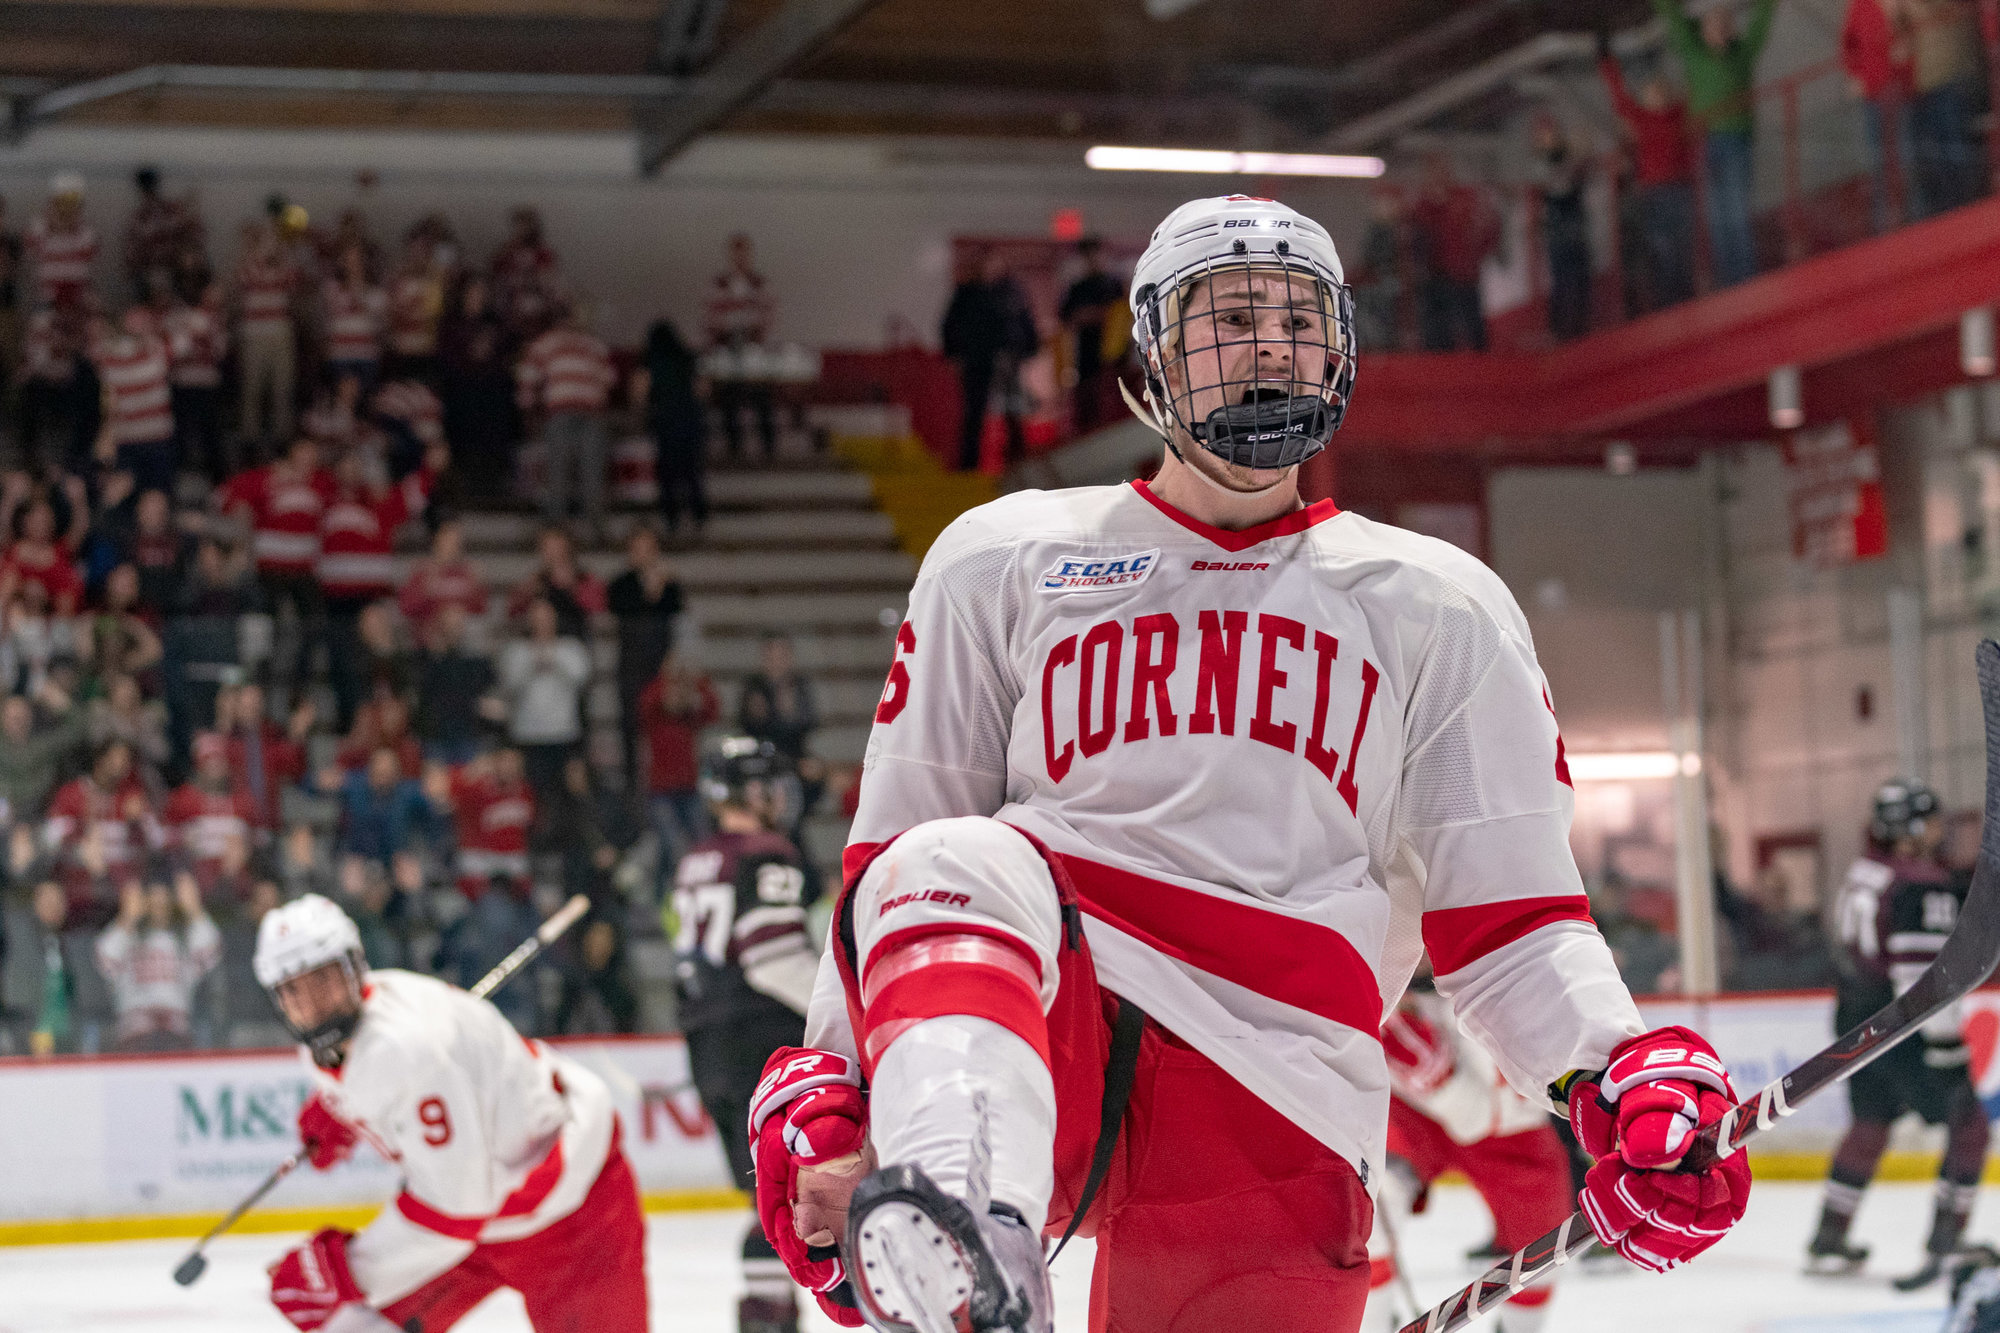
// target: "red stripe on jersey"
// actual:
[[1296, 521], [1300, 963], [1457, 936], [524, 1200], [952, 972]]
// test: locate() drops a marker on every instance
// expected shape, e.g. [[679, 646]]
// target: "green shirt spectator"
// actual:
[[1721, 66]]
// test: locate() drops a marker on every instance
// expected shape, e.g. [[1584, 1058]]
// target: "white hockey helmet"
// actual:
[[1257, 423], [305, 934]]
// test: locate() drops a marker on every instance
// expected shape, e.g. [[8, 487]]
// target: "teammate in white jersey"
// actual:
[[512, 1171], [1170, 785]]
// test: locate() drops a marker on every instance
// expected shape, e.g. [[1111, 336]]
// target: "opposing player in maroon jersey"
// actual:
[[1170, 785]]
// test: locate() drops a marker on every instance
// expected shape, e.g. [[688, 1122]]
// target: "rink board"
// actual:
[[155, 1145], [172, 1136]]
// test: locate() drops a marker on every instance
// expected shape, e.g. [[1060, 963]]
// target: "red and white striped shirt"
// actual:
[[565, 370], [203, 823], [285, 511], [434, 585], [123, 820], [739, 311], [412, 403], [354, 322], [358, 537], [196, 342], [492, 821], [132, 367], [264, 293], [63, 258], [416, 301]]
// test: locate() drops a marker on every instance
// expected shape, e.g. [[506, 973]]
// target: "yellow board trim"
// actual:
[[352, 1217]]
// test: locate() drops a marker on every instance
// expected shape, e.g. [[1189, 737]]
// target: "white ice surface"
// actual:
[[1751, 1283]]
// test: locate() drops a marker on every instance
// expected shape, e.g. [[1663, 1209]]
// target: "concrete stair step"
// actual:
[[743, 571], [851, 612], [489, 530]]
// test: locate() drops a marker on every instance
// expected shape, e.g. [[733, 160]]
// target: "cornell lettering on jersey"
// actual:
[[1090, 666]]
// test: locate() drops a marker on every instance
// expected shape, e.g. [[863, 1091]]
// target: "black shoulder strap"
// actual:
[[1119, 1073]]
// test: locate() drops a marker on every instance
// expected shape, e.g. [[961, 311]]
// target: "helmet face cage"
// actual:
[[1261, 354], [1902, 810], [327, 1039]]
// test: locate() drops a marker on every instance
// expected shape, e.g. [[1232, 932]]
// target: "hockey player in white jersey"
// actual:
[[1170, 785], [512, 1171]]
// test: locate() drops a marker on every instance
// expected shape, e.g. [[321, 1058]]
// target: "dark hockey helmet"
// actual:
[[739, 770], [1904, 808]]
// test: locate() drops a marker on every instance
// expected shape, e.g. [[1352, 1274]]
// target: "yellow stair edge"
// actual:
[[911, 487]]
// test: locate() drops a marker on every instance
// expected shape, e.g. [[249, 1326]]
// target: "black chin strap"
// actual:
[[1120, 1071]]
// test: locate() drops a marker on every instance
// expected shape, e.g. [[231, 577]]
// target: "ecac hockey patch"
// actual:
[[1098, 575]]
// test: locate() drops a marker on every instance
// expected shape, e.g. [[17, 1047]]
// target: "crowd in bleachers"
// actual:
[[1682, 170], [224, 682]]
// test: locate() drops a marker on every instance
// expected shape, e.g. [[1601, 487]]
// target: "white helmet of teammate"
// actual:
[[1244, 319], [303, 936]]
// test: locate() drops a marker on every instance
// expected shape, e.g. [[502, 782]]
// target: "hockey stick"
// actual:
[[190, 1269], [1966, 960]]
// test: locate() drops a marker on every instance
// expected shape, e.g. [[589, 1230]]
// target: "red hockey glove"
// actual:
[[809, 1133], [328, 1140], [1637, 1119], [1420, 1056], [313, 1281]]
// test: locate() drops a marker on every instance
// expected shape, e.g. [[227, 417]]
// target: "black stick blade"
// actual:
[[191, 1269]]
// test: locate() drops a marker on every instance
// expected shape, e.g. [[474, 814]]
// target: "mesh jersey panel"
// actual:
[[983, 577], [1440, 774]]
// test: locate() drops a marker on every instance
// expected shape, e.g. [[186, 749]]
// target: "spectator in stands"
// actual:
[[593, 963], [40, 555], [672, 710], [159, 231], [282, 503], [1875, 51], [988, 331], [646, 598], [124, 714], [249, 1020], [592, 826], [1378, 278], [1951, 92], [1721, 69], [356, 313], [357, 567], [382, 723], [526, 284], [202, 638], [492, 811], [116, 641], [670, 387], [444, 578], [154, 955], [473, 945], [101, 825], [543, 678], [33, 642], [383, 814], [564, 383], [266, 343], [738, 317], [62, 245], [33, 753], [1094, 303], [57, 411], [264, 758], [210, 820], [197, 337], [1663, 178], [132, 367], [1454, 229], [416, 307], [574, 591], [476, 385], [455, 698], [1564, 171], [412, 417], [38, 983], [778, 704], [332, 419]]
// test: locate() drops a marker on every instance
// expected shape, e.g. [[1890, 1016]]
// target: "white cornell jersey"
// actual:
[[1277, 765], [496, 1136]]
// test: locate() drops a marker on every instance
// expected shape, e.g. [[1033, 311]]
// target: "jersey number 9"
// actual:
[[436, 1120]]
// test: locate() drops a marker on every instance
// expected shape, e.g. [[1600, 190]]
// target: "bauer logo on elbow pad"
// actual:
[[1097, 573]]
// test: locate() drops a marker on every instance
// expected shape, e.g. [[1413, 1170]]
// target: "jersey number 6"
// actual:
[[896, 694], [437, 1121]]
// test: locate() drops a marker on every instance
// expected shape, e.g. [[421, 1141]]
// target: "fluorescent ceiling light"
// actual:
[[1629, 766], [1203, 162]]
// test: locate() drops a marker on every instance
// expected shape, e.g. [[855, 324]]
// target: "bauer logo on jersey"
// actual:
[[1098, 573]]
